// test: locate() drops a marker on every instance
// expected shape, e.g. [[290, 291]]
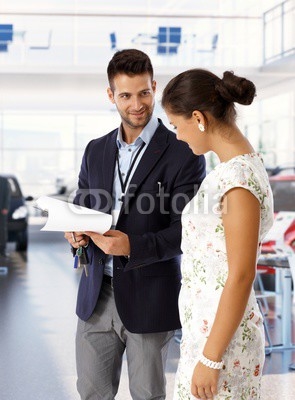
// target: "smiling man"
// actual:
[[129, 301]]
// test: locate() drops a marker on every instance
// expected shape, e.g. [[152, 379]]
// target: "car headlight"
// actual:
[[20, 212]]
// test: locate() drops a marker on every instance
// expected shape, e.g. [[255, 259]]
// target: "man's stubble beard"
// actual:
[[128, 121]]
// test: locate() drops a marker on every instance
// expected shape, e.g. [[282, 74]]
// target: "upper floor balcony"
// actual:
[[82, 41]]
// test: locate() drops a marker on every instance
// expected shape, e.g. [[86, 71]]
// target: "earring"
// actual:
[[201, 127]]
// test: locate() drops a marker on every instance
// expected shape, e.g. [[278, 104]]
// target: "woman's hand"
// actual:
[[204, 382]]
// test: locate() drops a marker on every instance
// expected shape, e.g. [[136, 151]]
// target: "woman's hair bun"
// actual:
[[235, 89]]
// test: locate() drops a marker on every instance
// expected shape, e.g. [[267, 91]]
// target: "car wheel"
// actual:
[[22, 241]]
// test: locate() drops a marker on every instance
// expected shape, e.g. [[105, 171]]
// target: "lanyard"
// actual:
[[124, 183]]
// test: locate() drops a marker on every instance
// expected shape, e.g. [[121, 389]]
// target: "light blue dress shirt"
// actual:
[[126, 153]]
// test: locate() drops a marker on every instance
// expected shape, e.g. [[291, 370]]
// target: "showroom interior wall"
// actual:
[[53, 82]]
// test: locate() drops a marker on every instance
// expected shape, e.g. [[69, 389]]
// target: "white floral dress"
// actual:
[[204, 272]]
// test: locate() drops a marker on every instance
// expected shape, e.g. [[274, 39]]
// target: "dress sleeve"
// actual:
[[240, 174]]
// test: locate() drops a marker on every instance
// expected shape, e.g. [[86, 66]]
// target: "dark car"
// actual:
[[283, 188], [18, 215]]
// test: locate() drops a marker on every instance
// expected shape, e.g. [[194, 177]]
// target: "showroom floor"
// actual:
[[38, 322]]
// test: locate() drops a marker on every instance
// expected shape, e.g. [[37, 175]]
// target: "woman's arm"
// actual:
[[241, 221]]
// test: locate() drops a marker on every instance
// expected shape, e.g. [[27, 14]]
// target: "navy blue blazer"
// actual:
[[146, 287]]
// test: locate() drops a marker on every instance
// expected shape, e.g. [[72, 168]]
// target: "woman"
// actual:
[[222, 350]]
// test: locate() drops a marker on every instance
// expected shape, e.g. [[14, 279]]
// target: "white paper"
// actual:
[[68, 217]]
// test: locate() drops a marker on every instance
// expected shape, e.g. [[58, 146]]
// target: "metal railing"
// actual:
[[279, 32]]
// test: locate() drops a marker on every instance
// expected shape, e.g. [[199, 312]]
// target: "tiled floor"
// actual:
[[38, 322]]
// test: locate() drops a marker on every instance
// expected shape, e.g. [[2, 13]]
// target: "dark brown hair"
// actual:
[[199, 89], [130, 62]]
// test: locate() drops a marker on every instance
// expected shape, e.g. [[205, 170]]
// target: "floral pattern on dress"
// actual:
[[204, 273]]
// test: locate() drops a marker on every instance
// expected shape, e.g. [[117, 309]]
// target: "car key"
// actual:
[[83, 259]]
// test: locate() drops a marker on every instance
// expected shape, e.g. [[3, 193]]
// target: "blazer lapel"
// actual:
[[109, 162]]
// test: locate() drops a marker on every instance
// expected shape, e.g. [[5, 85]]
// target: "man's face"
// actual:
[[134, 98]]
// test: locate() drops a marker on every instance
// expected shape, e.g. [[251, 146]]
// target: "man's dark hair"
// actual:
[[130, 62]]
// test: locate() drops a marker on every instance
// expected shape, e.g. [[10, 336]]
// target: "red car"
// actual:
[[283, 187]]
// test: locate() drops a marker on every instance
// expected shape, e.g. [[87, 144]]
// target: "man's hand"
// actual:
[[113, 242], [77, 239]]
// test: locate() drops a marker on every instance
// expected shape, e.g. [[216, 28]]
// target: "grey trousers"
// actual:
[[100, 345]]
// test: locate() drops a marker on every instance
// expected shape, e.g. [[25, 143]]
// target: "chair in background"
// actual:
[[261, 272], [145, 39], [213, 45], [6, 36], [39, 40], [262, 297], [268, 346], [214, 42], [169, 39], [113, 39], [3, 47]]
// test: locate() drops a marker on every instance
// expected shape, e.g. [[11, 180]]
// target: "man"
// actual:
[[4, 209], [143, 176]]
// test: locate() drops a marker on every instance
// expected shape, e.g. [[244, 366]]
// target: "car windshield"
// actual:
[[14, 188]]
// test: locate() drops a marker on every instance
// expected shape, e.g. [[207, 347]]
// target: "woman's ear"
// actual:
[[199, 116], [200, 119]]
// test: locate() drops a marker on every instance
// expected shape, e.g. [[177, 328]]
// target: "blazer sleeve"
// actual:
[[152, 247]]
